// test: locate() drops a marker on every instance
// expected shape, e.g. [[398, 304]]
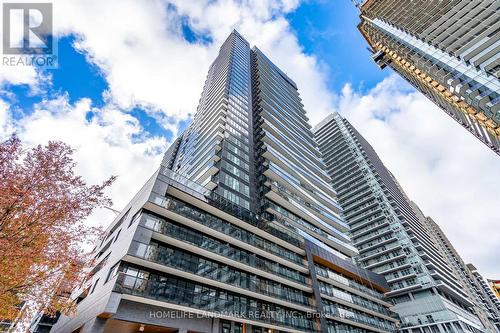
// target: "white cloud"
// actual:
[[18, 75], [139, 48], [6, 126], [146, 61], [141, 52], [110, 143], [264, 25], [447, 171]]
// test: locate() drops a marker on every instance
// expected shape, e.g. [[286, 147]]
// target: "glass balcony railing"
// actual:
[[229, 207], [358, 209], [300, 203], [379, 251], [373, 244], [358, 217], [228, 228], [352, 298], [221, 248], [338, 311], [370, 224], [325, 272], [305, 224], [209, 269], [372, 235], [244, 214], [176, 291]]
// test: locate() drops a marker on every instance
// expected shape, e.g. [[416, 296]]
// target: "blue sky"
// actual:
[[123, 91], [76, 76], [328, 30], [325, 29]]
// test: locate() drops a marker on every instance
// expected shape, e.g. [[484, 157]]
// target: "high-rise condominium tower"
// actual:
[[449, 50], [489, 316], [391, 239], [488, 298], [239, 230]]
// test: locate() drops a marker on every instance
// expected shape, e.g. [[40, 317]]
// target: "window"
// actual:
[[236, 199], [226, 327], [234, 184], [117, 235], [95, 285], [236, 160], [98, 267], [113, 271], [238, 328], [134, 218], [235, 171], [104, 249], [118, 224]]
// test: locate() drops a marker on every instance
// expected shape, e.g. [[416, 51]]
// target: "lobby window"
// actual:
[[225, 327]]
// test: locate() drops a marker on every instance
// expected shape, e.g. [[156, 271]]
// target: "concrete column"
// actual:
[[94, 326], [316, 292], [215, 325]]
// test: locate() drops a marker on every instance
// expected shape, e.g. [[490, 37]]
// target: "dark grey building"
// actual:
[[239, 230], [391, 239], [449, 50]]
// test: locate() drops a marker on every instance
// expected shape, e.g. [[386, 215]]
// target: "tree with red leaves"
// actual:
[[43, 205]]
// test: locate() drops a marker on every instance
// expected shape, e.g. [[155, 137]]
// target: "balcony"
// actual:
[[217, 247], [364, 215], [358, 231], [371, 236], [335, 311], [346, 188], [227, 228], [380, 252], [359, 207], [371, 246], [194, 296], [320, 212], [353, 198], [357, 200], [386, 261], [218, 201], [328, 274], [400, 278], [394, 268], [205, 268], [343, 296]]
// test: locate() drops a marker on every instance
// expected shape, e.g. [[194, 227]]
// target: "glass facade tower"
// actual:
[[390, 237], [239, 230], [217, 149], [449, 50]]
